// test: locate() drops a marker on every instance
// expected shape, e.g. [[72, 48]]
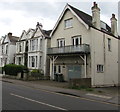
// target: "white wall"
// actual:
[[101, 55]]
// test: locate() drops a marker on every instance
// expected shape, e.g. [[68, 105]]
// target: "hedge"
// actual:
[[13, 69]]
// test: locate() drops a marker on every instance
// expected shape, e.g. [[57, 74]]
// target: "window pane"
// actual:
[[59, 69], [68, 23], [109, 44], [61, 42]]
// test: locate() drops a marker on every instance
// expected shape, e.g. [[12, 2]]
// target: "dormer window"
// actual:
[[68, 23]]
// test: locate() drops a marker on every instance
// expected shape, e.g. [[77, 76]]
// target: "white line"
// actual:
[[38, 102], [101, 96]]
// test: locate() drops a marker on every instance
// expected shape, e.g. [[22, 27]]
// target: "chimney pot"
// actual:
[[9, 34], [39, 24], [113, 15], [94, 3]]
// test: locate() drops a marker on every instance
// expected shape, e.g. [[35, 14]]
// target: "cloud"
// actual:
[[17, 16]]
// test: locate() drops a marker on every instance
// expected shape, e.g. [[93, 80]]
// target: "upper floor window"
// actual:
[[20, 47], [77, 40], [33, 45], [6, 49], [40, 44], [68, 23], [61, 42], [109, 44], [36, 44], [2, 49]]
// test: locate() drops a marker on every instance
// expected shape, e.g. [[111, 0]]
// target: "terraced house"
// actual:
[[83, 46], [7, 49], [21, 50], [32, 49]]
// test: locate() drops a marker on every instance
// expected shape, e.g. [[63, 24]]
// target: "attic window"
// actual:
[[68, 23]]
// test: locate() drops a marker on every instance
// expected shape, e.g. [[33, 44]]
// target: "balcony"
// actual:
[[83, 49]]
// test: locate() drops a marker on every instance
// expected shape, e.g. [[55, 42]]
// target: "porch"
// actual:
[[72, 60]]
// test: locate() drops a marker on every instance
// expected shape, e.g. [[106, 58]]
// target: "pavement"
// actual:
[[103, 94]]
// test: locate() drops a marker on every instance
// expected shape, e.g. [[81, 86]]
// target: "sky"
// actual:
[[19, 15]]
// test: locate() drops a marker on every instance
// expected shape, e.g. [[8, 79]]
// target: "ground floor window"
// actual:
[[100, 68], [19, 60], [55, 69], [33, 61], [1, 62], [59, 69], [40, 61]]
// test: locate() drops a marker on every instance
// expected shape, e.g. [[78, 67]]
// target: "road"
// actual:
[[19, 97]]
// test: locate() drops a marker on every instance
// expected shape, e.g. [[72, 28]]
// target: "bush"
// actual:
[[13, 69], [35, 71], [38, 74]]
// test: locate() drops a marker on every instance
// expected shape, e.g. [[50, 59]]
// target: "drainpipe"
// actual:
[[85, 65]]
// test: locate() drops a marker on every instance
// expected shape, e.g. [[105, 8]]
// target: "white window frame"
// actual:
[[36, 44], [2, 49], [68, 23], [100, 68], [41, 44], [79, 40], [32, 61], [61, 42], [40, 61], [6, 49], [59, 69]]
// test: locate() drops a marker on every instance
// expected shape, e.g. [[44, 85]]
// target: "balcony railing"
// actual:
[[84, 48]]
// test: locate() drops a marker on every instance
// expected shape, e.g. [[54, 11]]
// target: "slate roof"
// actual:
[[85, 17], [13, 38], [47, 32], [88, 19]]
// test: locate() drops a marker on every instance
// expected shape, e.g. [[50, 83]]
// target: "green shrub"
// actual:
[[13, 69], [38, 74], [35, 71]]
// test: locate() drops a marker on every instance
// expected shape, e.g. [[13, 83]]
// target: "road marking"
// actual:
[[37, 102], [88, 99], [101, 96]]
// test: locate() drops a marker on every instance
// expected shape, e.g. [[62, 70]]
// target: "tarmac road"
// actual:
[[18, 97]]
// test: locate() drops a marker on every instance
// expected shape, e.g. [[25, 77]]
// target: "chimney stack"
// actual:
[[96, 16], [9, 34], [114, 25], [39, 25]]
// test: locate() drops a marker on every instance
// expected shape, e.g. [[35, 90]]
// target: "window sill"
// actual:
[[68, 28], [100, 72]]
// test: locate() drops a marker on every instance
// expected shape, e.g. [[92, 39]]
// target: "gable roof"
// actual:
[[46, 33], [11, 38], [23, 33], [84, 18]]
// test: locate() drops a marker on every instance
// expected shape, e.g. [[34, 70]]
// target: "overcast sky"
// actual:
[[19, 15]]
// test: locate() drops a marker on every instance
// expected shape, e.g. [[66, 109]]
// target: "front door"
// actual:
[[74, 71]]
